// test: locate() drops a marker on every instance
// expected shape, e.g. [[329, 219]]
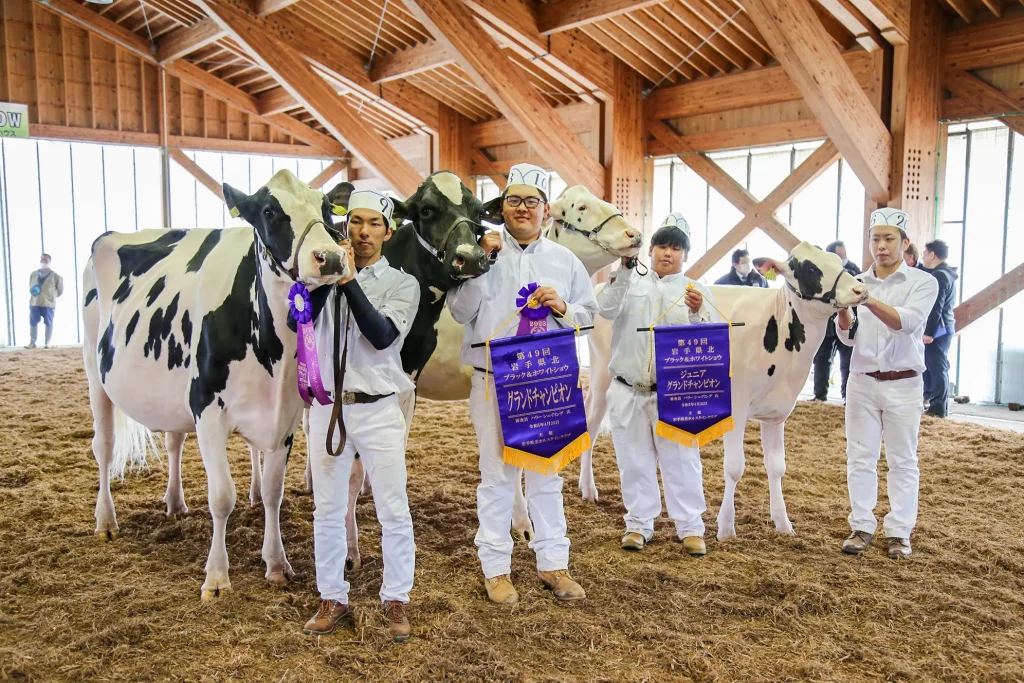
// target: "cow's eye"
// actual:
[[582, 208], [268, 212], [426, 212]]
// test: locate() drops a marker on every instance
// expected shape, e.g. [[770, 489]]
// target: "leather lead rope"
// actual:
[[337, 416]]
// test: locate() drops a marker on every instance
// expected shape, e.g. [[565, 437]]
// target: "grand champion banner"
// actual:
[[692, 370], [540, 402]]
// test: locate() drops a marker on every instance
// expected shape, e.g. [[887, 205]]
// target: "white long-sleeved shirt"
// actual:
[[396, 296], [485, 302], [876, 347], [632, 300]]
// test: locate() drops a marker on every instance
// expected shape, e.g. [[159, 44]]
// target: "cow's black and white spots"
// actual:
[[797, 334], [771, 335], [156, 298]]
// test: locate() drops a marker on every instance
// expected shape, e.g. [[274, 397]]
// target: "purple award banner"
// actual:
[[694, 387], [540, 402]]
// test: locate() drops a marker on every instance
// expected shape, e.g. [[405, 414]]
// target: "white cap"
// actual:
[[678, 220], [374, 201], [895, 218], [528, 174]]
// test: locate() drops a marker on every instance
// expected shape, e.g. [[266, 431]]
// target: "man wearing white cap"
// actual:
[[483, 304], [632, 301], [359, 336], [883, 397]]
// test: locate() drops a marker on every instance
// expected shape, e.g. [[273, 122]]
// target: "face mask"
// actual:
[[44, 266], [845, 261], [744, 269]]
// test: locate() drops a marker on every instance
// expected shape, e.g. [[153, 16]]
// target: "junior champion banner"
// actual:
[[694, 387], [540, 403]]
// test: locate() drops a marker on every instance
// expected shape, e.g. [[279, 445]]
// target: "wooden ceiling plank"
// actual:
[[662, 66], [276, 101], [562, 15], [995, 43], [996, 7], [678, 38], [985, 97], [620, 51], [184, 41], [802, 46], [668, 47], [711, 18], [849, 15], [715, 48], [526, 108], [892, 17], [833, 26], [732, 11], [410, 61]]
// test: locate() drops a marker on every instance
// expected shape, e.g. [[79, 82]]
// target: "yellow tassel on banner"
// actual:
[[681, 436], [552, 465]]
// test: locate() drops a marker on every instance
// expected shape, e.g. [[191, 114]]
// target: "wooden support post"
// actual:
[[624, 186], [518, 99], [993, 296], [208, 181], [454, 148], [331, 170], [165, 159], [916, 97], [803, 47]]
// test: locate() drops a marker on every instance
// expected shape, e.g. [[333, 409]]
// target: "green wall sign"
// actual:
[[13, 120]]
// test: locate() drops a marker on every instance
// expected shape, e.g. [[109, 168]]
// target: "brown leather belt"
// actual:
[[892, 376]]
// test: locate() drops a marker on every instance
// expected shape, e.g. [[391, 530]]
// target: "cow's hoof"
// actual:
[[176, 508], [107, 534], [785, 529], [724, 534], [211, 594], [525, 534], [353, 563], [589, 493], [280, 578], [255, 498]]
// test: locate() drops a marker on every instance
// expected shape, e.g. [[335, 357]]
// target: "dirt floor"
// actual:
[[760, 607]]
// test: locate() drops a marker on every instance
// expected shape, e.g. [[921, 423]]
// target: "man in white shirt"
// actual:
[[360, 331], [632, 301], [883, 397], [482, 304]]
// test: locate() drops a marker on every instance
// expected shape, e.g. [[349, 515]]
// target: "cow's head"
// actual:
[[291, 220], [592, 229], [818, 276], [446, 216]]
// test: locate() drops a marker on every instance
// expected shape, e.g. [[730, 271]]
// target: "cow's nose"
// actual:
[[320, 257], [329, 262], [634, 236]]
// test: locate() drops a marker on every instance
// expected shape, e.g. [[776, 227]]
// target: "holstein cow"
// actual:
[[592, 229], [187, 331], [772, 354]]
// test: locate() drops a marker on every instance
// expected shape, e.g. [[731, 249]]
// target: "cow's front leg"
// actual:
[[774, 445], [520, 514], [279, 571], [355, 484], [734, 463], [212, 434], [255, 480], [174, 498]]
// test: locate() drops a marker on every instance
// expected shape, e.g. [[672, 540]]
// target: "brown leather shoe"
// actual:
[[897, 548], [695, 546], [561, 584], [633, 541], [398, 623], [501, 591], [857, 542], [326, 618]]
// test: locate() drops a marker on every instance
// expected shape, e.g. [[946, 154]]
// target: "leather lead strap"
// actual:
[[337, 416]]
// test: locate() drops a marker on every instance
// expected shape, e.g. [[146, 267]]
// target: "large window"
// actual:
[[58, 197]]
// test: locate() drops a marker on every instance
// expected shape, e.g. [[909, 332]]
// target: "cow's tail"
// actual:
[[132, 444]]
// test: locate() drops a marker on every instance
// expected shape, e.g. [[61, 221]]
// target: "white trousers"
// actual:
[[495, 496], [377, 432], [875, 411], [639, 452]]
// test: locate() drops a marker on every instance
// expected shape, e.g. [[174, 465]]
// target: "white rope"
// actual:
[[380, 24], [693, 51]]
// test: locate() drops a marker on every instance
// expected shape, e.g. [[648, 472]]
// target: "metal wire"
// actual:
[[145, 17], [692, 52], [376, 37]]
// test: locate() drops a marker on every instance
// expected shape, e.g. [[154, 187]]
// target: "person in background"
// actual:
[[742, 272], [911, 255], [884, 399], [44, 286], [830, 344], [938, 332]]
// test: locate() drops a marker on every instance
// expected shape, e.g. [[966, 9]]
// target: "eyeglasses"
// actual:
[[530, 202]]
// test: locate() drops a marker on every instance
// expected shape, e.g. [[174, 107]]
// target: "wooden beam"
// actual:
[[454, 144], [208, 181], [849, 15], [961, 108], [993, 296], [265, 7], [517, 99], [802, 130], [183, 41], [985, 98], [246, 146], [333, 169], [891, 16], [830, 89], [292, 72], [755, 87], [81, 15], [275, 101], [498, 132], [562, 15], [481, 165], [803, 175], [107, 137], [963, 8], [410, 61], [996, 43], [996, 7]]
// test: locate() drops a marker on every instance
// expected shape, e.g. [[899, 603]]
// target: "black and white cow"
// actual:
[[188, 331]]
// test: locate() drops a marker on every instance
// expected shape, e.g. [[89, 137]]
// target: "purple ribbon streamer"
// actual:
[[532, 319], [308, 360]]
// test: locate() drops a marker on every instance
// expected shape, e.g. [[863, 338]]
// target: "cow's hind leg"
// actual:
[[733, 470], [103, 451], [597, 406], [279, 571], [355, 484], [212, 435], [174, 498], [256, 479], [774, 446], [520, 513]]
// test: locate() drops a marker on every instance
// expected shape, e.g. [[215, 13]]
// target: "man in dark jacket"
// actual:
[[829, 345], [938, 332], [742, 272]]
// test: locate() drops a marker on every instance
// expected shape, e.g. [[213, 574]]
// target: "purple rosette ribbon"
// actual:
[[310, 383], [533, 317]]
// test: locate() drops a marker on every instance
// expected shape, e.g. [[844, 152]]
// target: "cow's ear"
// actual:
[[400, 213], [780, 267], [339, 196], [237, 202], [492, 211]]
